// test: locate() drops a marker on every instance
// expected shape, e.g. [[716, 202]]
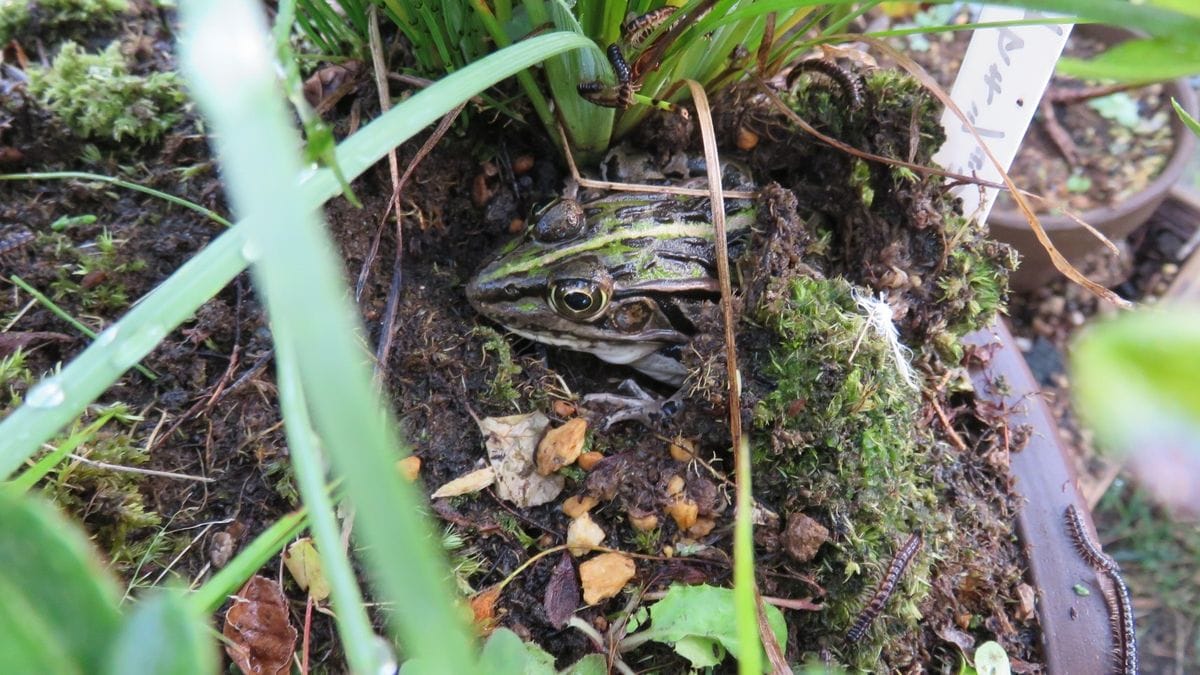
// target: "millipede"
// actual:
[[886, 587], [1120, 606], [850, 84], [636, 30], [620, 66]]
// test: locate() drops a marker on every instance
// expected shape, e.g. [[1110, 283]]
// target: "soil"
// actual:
[[212, 412]]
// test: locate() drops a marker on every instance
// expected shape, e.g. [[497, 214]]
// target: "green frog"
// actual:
[[619, 277]]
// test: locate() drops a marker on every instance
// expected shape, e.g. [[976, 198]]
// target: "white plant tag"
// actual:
[[999, 85]]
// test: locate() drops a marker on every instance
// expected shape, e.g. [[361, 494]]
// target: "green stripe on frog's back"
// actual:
[[632, 225]]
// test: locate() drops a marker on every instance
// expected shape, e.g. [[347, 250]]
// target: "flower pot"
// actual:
[[1116, 221], [1077, 635]]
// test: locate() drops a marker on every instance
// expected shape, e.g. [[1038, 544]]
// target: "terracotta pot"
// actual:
[[1076, 635], [1116, 221]]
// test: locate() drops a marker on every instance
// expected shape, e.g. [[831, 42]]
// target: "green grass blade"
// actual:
[[64, 396]]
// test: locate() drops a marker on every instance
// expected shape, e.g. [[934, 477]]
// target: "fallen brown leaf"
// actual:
[[258, 627], [562, 593]]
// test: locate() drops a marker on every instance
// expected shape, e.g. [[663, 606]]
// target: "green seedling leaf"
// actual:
[[1188, 121], [1119, 107], [698, 621], [991, 659], [1145, 60], [163, 636], [592, 664], [58, 606], [505, 653]]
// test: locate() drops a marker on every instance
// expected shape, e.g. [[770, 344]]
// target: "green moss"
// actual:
[[503, 390], [974, 283], [51, 15], [838, 442], [94, 281], [96, 97]]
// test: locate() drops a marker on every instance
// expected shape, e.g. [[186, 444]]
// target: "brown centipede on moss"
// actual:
[[886, 587], [1120, 606], [851, 84]]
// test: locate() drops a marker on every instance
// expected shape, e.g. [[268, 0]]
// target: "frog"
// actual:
[[619, 276]]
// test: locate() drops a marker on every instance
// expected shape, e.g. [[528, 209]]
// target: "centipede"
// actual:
[[636, 30], [886, 587], [1120, 605], [849, 83]]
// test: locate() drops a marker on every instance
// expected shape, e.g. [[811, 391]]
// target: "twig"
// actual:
[[1058, 135]]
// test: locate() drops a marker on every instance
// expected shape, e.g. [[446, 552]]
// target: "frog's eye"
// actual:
[[560, 222], [578, 299]]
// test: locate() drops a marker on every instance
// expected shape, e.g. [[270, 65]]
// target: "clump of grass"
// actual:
[[17, 15], [97, 97], [94, 281]]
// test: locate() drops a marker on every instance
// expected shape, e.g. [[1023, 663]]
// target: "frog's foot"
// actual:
[[635, 404]]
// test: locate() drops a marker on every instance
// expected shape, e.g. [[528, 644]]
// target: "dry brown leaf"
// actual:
[[604, 576], [562, 593], [511, 443], [561, 446], [472, 482], [259, 630], [483, 606]]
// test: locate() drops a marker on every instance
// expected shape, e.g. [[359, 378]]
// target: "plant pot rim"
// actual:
[[1181, 156]]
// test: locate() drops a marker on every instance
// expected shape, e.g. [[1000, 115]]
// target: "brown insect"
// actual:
[[1120, 606], [887, 586]]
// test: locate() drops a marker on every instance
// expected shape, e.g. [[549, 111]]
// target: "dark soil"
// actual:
[[212, 412]]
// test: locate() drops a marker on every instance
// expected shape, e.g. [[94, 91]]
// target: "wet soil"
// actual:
[[212, 411]]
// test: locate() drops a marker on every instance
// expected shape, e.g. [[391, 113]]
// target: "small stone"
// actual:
[[604, 576], [221, 549], [563, 409], [588, 460], [578, 505], [675, 485], [583, 535], [409, 467], [561, 446], [643, 521], [803, 536], [746, 140], [702, 528], [522, 164], [685, 512], [516, 226], [683, 449]]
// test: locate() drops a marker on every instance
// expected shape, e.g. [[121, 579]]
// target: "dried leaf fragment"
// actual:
[[409, 467], [259, 630], [483, 606], [511, 443], [471, 482], [561, 446], [304, 563], [604, 576], [562, 592]]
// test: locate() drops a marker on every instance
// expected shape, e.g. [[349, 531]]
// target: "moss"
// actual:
[[838, 442], [97, 98], [52, 15], [503, 389]]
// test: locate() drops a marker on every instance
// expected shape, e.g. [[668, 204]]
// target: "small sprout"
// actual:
[[1081, 590], [1079, 183]]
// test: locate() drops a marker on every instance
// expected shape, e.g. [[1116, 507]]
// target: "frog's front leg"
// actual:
[[636, 404]]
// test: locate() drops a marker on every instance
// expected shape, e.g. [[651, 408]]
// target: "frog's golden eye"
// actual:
[[560, 222], [578, 299]]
